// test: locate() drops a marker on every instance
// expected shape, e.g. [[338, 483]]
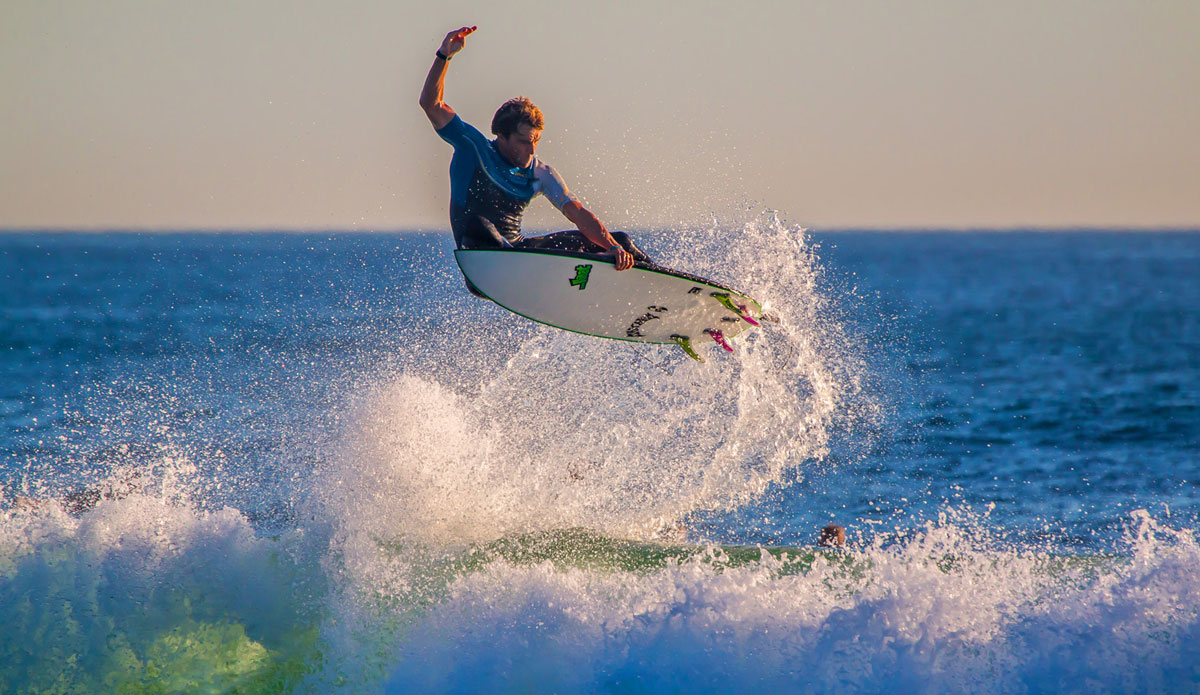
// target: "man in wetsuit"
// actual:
[[492, 181]]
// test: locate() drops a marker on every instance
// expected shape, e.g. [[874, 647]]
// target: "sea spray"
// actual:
[[566, 431], [626, 439]]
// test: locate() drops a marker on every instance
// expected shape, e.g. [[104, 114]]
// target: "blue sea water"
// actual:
[[313, 463]]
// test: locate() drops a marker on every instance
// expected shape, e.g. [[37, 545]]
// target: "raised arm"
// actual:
[[438, 111], [594, 230]]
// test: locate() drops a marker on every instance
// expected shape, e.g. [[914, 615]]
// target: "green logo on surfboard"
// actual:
[[581, 276]]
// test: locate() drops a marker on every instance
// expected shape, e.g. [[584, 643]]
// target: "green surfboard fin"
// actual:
[[727, 302], [724, 300], [686, 343]]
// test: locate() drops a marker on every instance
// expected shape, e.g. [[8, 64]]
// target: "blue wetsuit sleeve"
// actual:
[[553, 187], [458, 132]]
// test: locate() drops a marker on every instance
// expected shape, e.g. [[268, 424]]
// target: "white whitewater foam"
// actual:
[[932, 615]]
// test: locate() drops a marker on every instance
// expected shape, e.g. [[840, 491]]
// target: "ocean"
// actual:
[[313, 463]]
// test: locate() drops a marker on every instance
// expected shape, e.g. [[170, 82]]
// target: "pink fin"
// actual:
[[746, 315], [719, 338]]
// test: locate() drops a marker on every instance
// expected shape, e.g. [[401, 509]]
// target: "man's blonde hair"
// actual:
[[513, 113]]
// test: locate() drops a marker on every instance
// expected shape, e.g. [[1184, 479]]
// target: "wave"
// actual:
[[140, 592], [510, 510], [932, 615], [147, 591]]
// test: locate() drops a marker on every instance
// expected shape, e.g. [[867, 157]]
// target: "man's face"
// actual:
[[518, 147]]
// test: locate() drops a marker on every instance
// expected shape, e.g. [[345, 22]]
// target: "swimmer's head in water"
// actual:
[[832, 536]]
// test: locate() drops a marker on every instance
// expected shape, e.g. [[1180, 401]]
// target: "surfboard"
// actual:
[[584, 293]]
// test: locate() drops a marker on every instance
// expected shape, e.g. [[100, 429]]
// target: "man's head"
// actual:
[[518, 127]]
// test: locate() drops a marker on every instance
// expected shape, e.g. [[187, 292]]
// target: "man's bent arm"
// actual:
[[592, 228], [439, 112]]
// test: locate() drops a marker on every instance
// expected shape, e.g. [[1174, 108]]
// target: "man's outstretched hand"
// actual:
[[455, 40]]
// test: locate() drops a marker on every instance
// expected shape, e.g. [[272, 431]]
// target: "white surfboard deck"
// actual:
[[586, 294]]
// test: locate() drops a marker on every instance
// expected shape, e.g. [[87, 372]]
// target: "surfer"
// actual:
[[492, 181]]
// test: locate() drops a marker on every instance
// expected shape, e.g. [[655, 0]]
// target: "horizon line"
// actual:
[[899, 229]]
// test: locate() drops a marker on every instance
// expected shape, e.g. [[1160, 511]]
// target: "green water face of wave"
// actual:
[[580, 548], [68, 628], [59, 653]]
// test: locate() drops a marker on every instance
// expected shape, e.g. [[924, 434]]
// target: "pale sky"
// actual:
[[251, 114]]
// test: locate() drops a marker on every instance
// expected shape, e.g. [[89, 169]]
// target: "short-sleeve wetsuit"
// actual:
[[487, 194]]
